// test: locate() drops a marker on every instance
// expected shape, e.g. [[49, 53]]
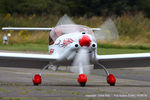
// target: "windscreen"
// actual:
[[69, 28]]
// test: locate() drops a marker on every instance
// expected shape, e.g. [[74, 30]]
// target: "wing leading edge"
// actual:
[[27, 28], [37, 28], [124, 60]]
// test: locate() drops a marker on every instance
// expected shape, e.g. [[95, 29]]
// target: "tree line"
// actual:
[[74, 7]]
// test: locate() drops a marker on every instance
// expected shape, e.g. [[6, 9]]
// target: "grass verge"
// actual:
[[103, 49], [25, 47]]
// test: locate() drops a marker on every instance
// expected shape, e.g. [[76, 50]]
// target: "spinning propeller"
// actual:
[[108, 31], [65, 20]]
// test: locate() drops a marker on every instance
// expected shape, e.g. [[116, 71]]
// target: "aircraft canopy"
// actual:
[[69, 28]]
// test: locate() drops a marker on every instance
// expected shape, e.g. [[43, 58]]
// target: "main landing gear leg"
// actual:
[[37, 77], [111, 80]]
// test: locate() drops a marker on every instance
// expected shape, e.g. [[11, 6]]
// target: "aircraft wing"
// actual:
[[25, 60], [37, 28], [27, 28], [124, 60]]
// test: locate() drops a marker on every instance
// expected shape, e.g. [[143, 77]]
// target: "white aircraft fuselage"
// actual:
[[67, 46]]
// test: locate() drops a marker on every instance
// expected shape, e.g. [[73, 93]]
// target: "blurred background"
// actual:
[[131, 17]]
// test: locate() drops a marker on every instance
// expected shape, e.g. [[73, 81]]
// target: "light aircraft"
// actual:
[[74, 45]]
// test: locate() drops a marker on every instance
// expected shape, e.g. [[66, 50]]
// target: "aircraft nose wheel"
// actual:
[[82, 80], [37, 80], [82, 84], [111, 79]]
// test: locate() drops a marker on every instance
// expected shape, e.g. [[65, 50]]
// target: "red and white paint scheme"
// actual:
[[66, 41]]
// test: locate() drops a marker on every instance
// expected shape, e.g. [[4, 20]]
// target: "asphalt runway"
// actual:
[[16, 84]]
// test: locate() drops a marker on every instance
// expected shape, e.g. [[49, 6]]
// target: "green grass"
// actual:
[[124, 46], [10, 98], [25, 47], [44, 48], [104, 51]]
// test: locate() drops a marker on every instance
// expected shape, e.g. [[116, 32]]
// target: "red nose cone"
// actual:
[[85, 41]]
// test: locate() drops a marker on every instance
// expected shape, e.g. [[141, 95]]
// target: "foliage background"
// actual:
[[131, 18], [75, 7]]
